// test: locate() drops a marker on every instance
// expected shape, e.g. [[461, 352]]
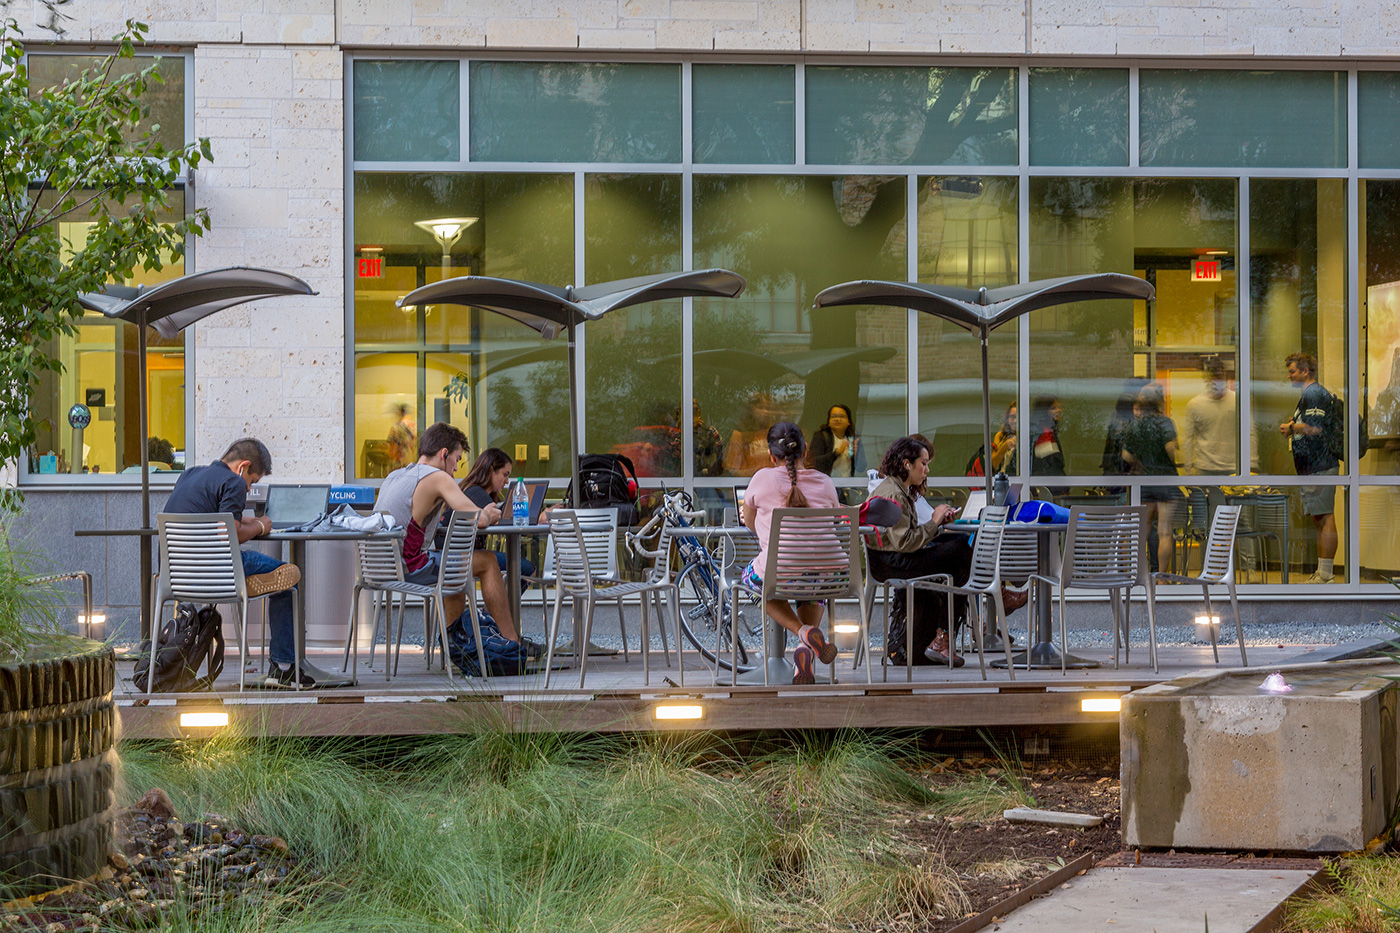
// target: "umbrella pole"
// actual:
[[145, 541], [986, 421], [576, 492]]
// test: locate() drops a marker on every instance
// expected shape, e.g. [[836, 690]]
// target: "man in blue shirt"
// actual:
[[222, 486], [1309, 434]]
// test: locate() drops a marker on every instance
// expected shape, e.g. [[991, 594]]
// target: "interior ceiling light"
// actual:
[[446, 230]]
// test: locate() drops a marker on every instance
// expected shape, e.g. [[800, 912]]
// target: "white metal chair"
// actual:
[[381, 572], [1217, 569], [737, 551], [811, 557], [982, 582], [599, 527], [885, 587], [1106, 549], [574, 577], [200, 563]]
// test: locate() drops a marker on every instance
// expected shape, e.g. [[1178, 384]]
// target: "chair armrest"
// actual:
[[1164, 577], [1042, 578]]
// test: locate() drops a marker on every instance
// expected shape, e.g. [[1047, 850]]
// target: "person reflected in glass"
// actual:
[[485, 484], [1004, 458], [1113, 463], [836, 448], [1150, 447], [904, 547], [783, 485], [1311, 434], [709, 446], [1047, 457], [746, 452]]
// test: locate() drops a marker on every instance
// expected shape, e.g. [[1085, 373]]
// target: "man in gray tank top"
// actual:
[[415, 496]]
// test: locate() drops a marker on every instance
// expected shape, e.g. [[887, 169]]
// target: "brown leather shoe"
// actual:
[[1014, 599], [938, 650]]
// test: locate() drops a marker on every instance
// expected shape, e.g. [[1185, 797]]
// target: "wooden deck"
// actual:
[[419, 702]]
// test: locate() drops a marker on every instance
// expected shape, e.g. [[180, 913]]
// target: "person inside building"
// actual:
[[1311, 433], [1149, 447], [485, 484], [1004, 444], [904, 547], [1048, 459], [416, 496], [1210, 436], [784, 485], [222, 486]]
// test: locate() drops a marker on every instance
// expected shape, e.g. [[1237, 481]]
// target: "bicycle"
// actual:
[[707, 617]]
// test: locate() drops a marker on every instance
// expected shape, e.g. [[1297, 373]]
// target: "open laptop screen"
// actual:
[[536, 491], [294, 504]]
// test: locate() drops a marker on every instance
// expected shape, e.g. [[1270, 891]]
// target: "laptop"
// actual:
[[294, 504], [739, 500], [536, 491], [977, 501]]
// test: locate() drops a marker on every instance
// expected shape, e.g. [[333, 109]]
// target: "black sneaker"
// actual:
[[284, 677], [533, 649]]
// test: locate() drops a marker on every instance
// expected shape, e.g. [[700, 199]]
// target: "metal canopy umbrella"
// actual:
[[170, 307], [982, 310], [550, 309]]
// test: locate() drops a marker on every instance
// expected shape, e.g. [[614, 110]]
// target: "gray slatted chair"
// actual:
[[573, 559], [200, 563], [1106, 549], [1263, 516], [1217, 569], [737, 551], [812, 557], [981, 583], [599, 528], [381, 572], [885, 588]]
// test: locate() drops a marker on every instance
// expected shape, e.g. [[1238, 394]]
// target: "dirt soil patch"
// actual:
[[994, 858]]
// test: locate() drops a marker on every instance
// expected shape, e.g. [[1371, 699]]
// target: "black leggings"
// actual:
[[950, 554]]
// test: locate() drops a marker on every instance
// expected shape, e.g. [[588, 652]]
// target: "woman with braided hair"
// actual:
[[786, 484]]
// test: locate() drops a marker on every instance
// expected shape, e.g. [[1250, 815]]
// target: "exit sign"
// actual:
[[369, 267], [1205, 270]]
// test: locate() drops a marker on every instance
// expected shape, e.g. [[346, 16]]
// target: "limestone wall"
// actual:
[[1235, 28]]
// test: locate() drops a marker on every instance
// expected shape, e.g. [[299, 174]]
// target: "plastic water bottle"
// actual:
[[1001, 487], [520, 505]]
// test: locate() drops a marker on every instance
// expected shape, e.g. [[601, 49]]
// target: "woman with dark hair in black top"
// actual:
[[485, 484], [835, 449]]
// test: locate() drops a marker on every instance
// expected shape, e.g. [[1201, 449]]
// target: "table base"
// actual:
[[781, 671], [1045, 656]]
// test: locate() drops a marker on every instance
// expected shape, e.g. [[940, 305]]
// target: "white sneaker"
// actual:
[[1317, 577]]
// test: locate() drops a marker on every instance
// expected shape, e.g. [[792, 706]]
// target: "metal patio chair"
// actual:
[[1106, 549], [1217, 569], [1264, 516], [573, 559], [200, 563], [599, 527]]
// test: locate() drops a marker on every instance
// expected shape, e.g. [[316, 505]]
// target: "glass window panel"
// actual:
[[100, 370], [408, 111], [911, 116], [968, 238], [1277, 540], [767, 356], [1298, 305], [744, 114], [1279, 119], [166, 97], [575, 112], [632, 357], [1380, 326], [515, 383], [1380, 534], [1079, 116], [1091, 360], [1377, 115]]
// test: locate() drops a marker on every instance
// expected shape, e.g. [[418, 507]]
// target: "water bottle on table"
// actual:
[[520, 505]]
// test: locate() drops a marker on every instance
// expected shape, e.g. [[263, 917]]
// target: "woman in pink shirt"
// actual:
[[785, 484]]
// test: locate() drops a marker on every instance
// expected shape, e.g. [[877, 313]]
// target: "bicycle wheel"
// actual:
[[702, 615]]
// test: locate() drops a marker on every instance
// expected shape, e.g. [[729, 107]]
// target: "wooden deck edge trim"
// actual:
[[1027, 894], [623, 714]]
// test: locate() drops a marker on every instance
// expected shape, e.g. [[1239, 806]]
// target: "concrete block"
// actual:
[[1209, 761]]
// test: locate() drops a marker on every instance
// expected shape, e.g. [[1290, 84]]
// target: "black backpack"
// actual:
[[1336, 427], [195, 636], [604, 483]]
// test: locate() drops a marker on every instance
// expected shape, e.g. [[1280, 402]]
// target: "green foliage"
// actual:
[[500, 831], [28, 611], [78, 152], [1359, 900]]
